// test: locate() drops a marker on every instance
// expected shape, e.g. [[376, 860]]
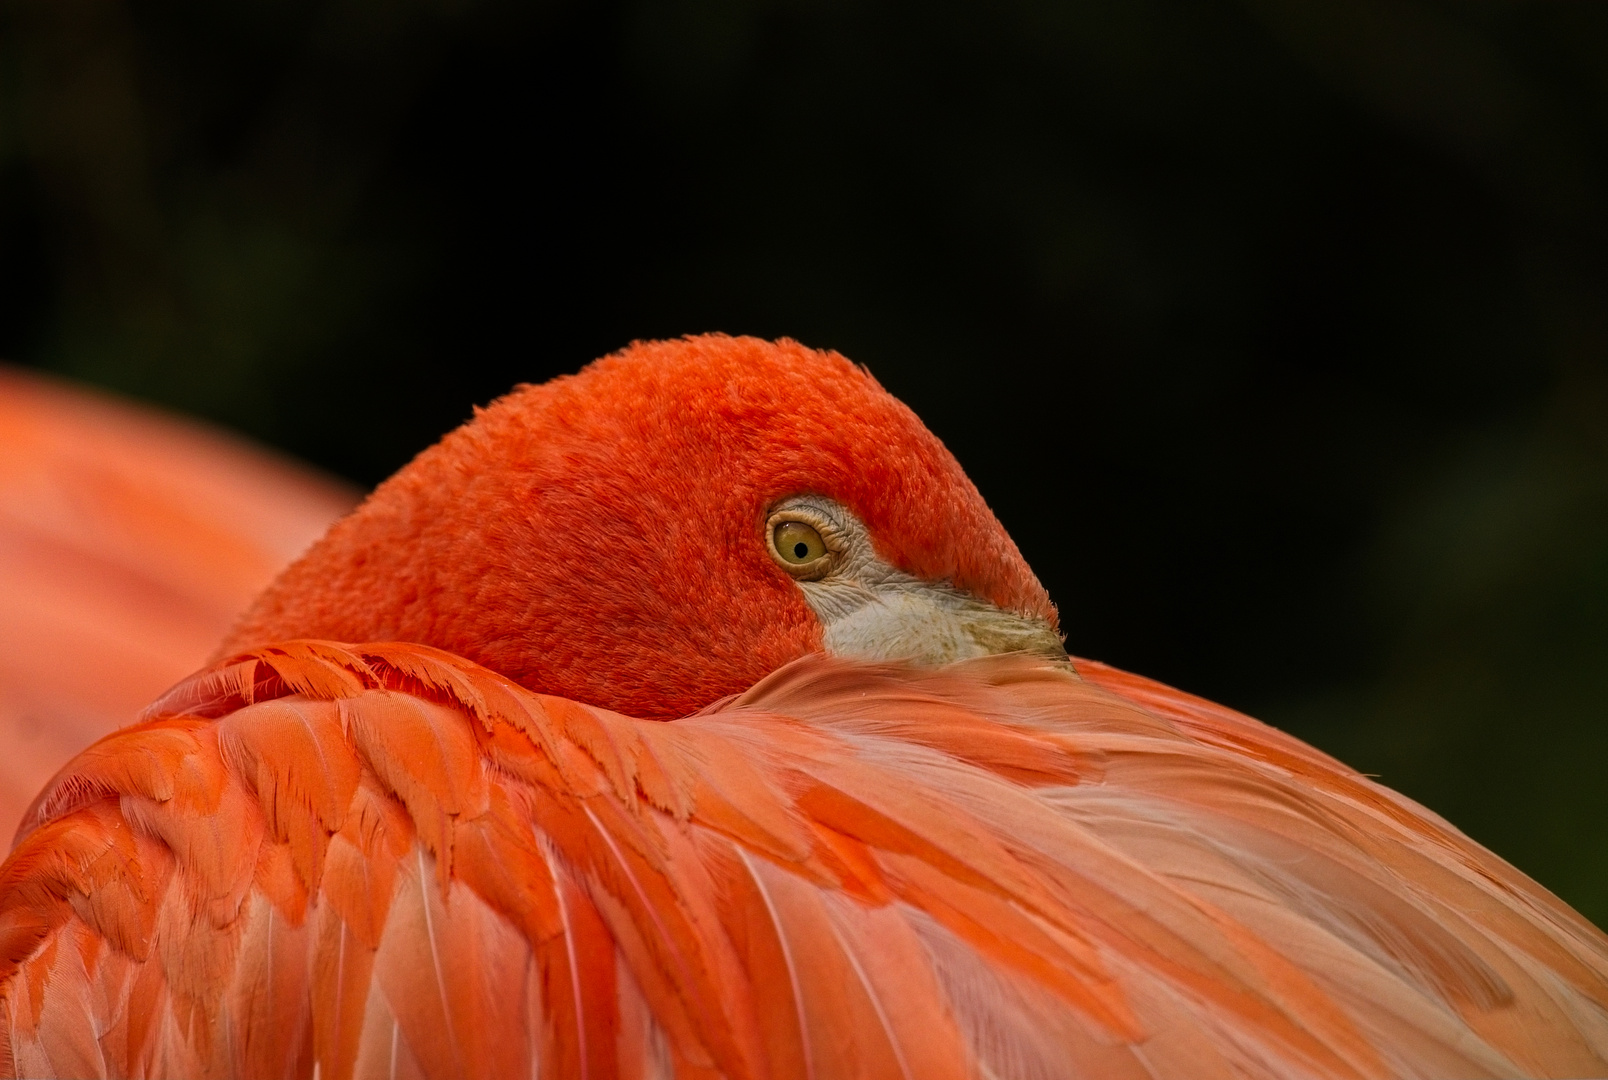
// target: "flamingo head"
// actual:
[[667, 527]]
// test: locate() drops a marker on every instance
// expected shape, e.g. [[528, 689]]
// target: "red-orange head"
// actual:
[[667, 527]]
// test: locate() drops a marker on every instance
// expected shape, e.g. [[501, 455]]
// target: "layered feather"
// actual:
[[384, 860]]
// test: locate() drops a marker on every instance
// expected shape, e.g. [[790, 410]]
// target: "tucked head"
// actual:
[[669, 526]]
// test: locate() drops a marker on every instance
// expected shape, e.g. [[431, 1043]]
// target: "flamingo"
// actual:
[[130, 537], [693, 716]]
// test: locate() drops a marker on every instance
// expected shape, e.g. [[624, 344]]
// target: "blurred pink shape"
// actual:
[[129, 542]]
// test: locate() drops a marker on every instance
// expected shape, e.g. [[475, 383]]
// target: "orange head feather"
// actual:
[[601, 536]]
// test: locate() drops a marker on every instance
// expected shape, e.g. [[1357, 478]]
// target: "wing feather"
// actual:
[[756, 926], [385, 861], [452, 973], [267, 1013], [579, 972]]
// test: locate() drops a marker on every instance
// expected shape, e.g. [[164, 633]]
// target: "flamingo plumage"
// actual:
[[693, 716]]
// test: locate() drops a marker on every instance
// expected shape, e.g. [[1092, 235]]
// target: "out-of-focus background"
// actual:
[[1276, 331]]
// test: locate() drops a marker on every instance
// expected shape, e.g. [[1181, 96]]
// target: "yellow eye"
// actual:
[[797, 544]]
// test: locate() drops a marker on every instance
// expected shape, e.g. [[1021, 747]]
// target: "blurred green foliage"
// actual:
[[1275, 330]]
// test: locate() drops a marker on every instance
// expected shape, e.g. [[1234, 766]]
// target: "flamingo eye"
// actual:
[[797, 544], [804, 538]]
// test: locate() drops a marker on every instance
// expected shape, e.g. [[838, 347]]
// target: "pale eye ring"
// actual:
[[798, 545]]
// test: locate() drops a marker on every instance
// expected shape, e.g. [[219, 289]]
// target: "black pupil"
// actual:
[[800, 550]]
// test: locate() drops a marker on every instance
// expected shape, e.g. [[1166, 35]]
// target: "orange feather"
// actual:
[[1031, 928]]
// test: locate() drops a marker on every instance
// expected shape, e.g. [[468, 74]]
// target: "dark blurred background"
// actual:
[[1274, 330]]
